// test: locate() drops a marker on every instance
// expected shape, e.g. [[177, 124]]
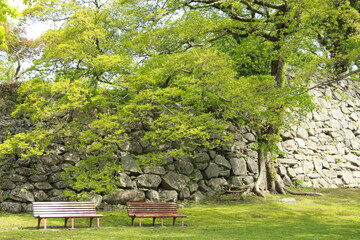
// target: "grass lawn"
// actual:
[[335, 216]]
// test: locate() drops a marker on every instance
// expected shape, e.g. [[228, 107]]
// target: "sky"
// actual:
[[33, 30]]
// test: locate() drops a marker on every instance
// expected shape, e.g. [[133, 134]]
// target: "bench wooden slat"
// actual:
[[153, 210], [66, 210]]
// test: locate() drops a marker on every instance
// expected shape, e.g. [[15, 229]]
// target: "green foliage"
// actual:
[[182, 101], [26, 144], [250, 55], [336, 27], [5, 12], [6, 67], [92, 175]]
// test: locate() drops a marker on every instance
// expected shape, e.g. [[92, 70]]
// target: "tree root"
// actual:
[[303, 193], [247, 189]]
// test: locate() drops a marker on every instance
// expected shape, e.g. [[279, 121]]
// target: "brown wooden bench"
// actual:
[[153, 210], [72, 210]]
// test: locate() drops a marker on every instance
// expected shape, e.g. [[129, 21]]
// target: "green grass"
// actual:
[[335, 216]]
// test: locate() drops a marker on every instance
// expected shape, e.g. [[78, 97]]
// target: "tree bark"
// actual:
[[277, 67]]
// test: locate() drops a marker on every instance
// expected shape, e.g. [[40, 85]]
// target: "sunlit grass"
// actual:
[[334, 216]]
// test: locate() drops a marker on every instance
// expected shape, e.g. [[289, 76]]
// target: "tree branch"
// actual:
[[217, 4], [303, 193], [252, 9], [18, 69], [282, 7], [334, 80], [205, 5]]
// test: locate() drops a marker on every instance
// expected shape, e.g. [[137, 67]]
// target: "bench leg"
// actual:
[[132, 221], [182, 222], [154, 220], [97, 222], [162, 222], [65, 224], [140, 222], [174, 218], [39, 220], [72, 223], [44, 223]]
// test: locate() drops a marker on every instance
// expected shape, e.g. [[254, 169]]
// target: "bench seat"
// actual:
[[66, 210], [153, 210]]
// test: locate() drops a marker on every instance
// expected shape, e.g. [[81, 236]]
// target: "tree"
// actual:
[[282, 28], [269, 20], [275, 26]]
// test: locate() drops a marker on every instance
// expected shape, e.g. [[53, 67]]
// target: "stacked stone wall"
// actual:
[[321, 151]]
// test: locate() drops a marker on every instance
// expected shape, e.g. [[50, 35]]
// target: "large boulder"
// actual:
[[24, 171], [198, 196], [175, 181], [21, 195], [6, 184], [212, 171], [236, 180], [153, 196], [222, 162], [148, 181], [12, 207], [353, 159], [96, 198], [158, 170], [129, 164], [72, 157], [38, 178], [252, 166], [43, 186], [196, 176], [168, 196], [217, 184], [348, 178], [125, 180], [238, 166], [40, 196], [124, 196], [184, 194], [202, 157], [290, 145], [184, 166]]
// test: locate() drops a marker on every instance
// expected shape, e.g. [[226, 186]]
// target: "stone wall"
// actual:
[[321, 151]]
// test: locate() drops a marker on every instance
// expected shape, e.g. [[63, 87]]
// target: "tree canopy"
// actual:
[[183, 70]]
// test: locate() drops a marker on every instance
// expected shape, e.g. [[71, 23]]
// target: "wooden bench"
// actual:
[[153, 210], [72, 210]]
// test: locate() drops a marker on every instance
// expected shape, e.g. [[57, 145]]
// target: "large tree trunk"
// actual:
[[277, 67], [268, 179]]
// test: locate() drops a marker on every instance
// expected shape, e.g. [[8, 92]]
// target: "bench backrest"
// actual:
[[151, 208], [54, 208]]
